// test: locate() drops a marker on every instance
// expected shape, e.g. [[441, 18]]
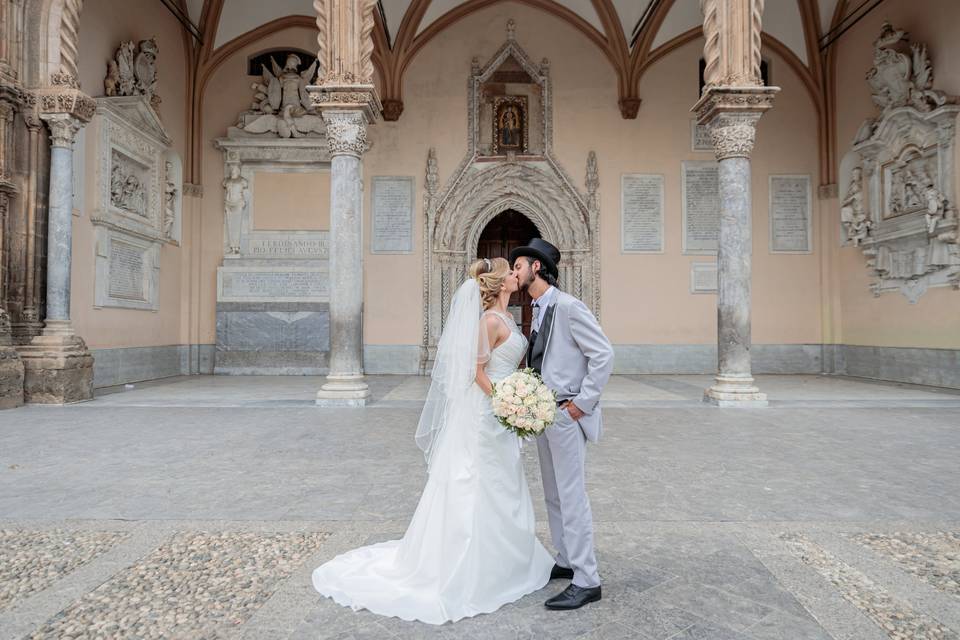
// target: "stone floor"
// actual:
[[197, 508]]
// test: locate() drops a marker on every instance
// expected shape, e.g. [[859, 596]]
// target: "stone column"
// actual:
[[347, 139], [348, 100], [733, 100], [58, 367]]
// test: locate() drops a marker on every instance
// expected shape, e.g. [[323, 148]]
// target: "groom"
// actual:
[[568, 348]]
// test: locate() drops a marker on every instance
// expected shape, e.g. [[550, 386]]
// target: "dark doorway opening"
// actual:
[[506, 232]]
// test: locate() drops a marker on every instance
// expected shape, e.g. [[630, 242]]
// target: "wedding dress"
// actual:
[[470, 547]]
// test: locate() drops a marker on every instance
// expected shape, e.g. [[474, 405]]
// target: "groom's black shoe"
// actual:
[[559, 572], [573, 597]]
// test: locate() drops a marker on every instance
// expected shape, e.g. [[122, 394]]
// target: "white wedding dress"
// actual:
[[470, 547]]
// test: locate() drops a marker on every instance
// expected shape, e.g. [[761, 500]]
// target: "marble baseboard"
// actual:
[[123, 365], [403, 359], [702, 358], [271, 363], [933, 367]]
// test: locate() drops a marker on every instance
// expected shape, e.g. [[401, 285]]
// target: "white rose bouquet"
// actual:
[[523, 404]]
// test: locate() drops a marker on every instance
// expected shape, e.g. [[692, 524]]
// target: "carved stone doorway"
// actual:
[[509, 230]]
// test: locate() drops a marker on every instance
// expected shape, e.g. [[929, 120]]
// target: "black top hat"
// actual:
[[540, 249]]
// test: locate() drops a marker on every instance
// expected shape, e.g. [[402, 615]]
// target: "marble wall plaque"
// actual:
[[790, 214], [392, 215], [279, 284], [641, 213], [126, 271], [703, 277], [701, 207], [700, 137]]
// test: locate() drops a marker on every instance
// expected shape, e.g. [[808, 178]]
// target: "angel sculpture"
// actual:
[[111, 83], [922, 96], [283, 102]]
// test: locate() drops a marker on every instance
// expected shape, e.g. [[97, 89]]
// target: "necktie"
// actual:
[[534, 325]]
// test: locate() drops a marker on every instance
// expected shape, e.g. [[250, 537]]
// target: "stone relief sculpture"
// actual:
[[899, 207], [852, 213], [169, 201], [133, 71], [281, 104], [235, 194], [127, 190]]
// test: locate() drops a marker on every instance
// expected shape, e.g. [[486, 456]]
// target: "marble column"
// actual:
[[733, 136], [345, 385], [58, 366]]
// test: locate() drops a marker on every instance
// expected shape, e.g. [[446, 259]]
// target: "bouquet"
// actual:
[[523, 404]]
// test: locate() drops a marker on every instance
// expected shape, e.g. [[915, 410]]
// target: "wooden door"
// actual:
[[506, 232]]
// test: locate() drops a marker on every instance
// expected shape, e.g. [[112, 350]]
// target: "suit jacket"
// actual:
[[577, 358]]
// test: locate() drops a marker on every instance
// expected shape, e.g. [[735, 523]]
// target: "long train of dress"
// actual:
[[470, 547]]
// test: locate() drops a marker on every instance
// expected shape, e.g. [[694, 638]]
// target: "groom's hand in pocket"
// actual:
[[573, 410]]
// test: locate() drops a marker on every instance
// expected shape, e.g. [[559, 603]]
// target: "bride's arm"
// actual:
[[494, 328]]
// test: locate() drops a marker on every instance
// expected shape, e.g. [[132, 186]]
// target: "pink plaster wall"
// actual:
[[103, 25]]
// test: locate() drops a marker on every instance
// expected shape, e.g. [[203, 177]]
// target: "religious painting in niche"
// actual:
[[907, 181], [509, 124]]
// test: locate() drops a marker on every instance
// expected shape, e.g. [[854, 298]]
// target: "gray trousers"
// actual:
[[562, 449]]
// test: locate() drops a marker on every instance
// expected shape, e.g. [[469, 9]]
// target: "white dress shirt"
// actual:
[[543, 302]]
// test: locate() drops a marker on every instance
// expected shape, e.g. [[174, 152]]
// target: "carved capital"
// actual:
[[392, 110], [63, 129], [629, 108], [346, 132], [733, 135]]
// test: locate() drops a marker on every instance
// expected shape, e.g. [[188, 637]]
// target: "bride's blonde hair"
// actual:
[[490, 274]]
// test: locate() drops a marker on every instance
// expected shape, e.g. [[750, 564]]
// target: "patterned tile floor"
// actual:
[[182, 510]]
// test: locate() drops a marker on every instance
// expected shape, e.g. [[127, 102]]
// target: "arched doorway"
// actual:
[[509, 230]]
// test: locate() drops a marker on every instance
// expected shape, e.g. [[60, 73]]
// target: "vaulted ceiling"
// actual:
[[613, 20]]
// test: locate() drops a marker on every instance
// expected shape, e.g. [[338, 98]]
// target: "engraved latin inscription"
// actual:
[[701, 207], [273, 284], [641, 213], [790, 214], [126, 271], [392, 215]]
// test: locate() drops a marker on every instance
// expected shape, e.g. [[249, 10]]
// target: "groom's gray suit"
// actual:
[[575, 359]]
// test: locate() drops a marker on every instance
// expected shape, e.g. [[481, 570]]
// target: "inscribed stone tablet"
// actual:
[[700, 139], [790, 214], [392, 215], [703, 277], [126, 271], [701, 207], [291, 284], [641, 213]]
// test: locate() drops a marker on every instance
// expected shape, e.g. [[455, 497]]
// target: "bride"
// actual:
[[470, 547]]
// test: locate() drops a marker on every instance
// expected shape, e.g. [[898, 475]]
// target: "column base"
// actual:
[[344, 391], [58, 369], [734, 392], [11, 378]]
